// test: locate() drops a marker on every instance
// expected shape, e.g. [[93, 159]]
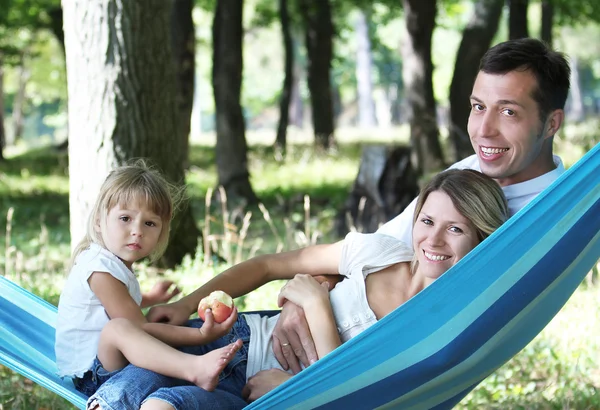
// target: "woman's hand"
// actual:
[[303, 291], [175, 313]]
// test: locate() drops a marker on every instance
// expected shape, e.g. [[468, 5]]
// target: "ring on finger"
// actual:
[[285, 344]]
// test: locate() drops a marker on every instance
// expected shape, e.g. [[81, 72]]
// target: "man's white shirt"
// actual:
[[517, 195]]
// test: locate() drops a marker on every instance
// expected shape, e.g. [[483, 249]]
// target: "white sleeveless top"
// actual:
[[362, 254]]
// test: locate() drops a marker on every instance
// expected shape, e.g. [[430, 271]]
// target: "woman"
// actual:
[[455, 212]]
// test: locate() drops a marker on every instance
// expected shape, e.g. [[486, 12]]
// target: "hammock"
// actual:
[[430, 352]]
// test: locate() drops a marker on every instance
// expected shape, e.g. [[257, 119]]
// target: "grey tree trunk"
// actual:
[[319, 47], [547, 21], [122, 89], [231, 149], [296, 103], [364, 73], [286, 89], [18, 116], [2, 130], [517, 19], [417, 72], [476, 39], [183, 41], [576, 111]]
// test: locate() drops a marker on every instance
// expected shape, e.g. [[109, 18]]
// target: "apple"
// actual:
[[219, 302]]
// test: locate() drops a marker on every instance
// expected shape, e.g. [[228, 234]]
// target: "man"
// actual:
[[517, 106]]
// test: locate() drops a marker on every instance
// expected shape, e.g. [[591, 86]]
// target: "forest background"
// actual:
[[267, 110]]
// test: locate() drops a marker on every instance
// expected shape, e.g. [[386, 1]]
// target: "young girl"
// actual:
[[129, 221], [455, 212]]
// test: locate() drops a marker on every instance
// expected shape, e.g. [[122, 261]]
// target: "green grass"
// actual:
[[559, 369]]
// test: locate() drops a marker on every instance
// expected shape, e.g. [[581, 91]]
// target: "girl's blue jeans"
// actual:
[[132, 386]]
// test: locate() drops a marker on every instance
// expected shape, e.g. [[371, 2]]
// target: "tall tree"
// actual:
[[364, 73], [286, 90], [517, 19], [417, 72], [122, 89], [319, 49], [547, 21], [231, 149], [2, 130], [476, 39], [183, 41]]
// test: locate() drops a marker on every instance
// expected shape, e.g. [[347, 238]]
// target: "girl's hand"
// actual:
[[161, 292], [303, 291], [212, 330]]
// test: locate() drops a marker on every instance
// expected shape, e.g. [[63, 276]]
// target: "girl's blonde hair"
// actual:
[[132, 183], [475, 196]]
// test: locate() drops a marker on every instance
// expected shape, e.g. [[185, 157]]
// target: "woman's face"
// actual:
[[441, 236]]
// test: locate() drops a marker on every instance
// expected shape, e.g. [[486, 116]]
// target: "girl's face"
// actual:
[[131, 232], [441, 236]]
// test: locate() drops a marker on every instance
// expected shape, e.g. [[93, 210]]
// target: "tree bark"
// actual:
[[286, 90], [122, 90], [417, 72], [18, 116], [231, 149], [296, 103], [319, 48], [547, 21], [476, 39], [2, 130], [517, 19], [183, 41], [364, 75]]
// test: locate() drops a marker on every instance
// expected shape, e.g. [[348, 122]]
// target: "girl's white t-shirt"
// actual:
[[81, 316]]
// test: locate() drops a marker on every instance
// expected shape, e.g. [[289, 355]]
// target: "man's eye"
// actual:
[[509, 112], [477, 107]]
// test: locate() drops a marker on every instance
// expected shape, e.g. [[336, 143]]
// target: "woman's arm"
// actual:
[[313, 297], [250, 275]]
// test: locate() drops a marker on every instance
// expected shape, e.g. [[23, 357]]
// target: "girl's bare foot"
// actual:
[[205, 369]]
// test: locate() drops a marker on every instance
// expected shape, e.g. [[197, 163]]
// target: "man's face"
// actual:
[[511, 142]]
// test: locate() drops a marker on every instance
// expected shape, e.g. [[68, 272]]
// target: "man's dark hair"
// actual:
[[550, 68]]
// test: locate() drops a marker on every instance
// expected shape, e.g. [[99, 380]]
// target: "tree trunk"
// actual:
[[364, 76], [2, 130], [296, 103], [183, 41], [18, 116], [122, 90], [417, 72], [319, 49], [576, 111], [231, 150], [286, 90], [547, 21], [517, 19], [476, 39]]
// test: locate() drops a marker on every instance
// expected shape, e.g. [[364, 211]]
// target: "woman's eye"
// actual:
[[455, 229], [427, 221]]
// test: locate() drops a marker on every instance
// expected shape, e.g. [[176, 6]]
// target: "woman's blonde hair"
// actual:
[[475, 196], [136, 182]]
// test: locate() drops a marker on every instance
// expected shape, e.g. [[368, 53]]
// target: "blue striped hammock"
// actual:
[[428, 353]]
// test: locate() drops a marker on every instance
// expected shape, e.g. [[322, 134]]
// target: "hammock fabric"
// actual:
[[430, 352]]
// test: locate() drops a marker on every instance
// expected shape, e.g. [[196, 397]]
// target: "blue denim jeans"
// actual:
[[132, 386], [93, 378]]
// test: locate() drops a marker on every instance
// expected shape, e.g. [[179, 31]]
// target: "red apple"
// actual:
[[219, 302]]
